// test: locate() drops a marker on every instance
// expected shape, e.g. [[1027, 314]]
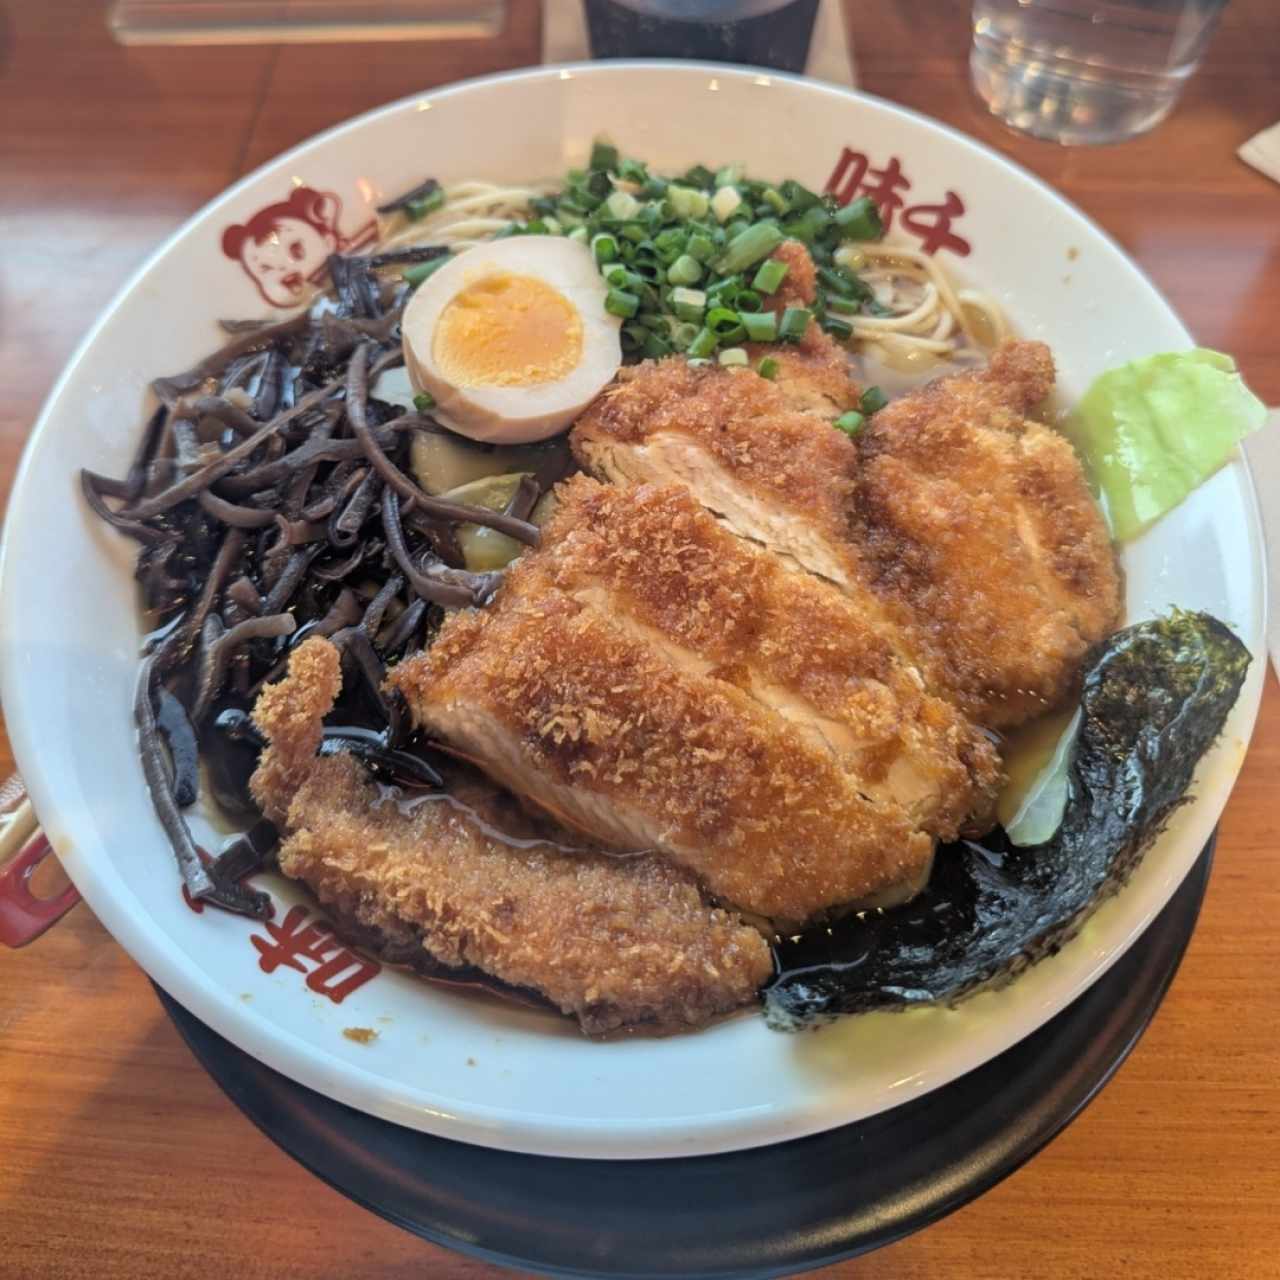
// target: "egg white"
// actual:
[[514, 414]]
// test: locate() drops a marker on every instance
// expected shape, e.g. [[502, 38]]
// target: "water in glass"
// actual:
[[1087, 71]]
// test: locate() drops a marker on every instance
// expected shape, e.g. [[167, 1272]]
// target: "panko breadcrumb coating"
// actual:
[[614, 942]]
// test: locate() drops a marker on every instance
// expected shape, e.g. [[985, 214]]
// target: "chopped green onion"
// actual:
[[704, 344], [699, 176], [623, 206], [725, 324], [646, 269], [771, 274], [604, 247], [682, 334], [580, 200], [725, 203], [747, 248], [847, 306], [859, 220], [687, 203], [656, 346], [761, 326], [417, 273], [618, 302], [768, 368], [618, 276], [747, 300], [734, 357], [701, 246], [688, 304], [729, 176], [873, 400], [632, 170], [776, 201], [697, 362], [669, 244], [580, 235], [795, 320], [810, 224], [836, 327], [424, 402], [725, 288], [837, 280], [686, 269], [798, 197], [603, 156], [850, 423], [418, 209]]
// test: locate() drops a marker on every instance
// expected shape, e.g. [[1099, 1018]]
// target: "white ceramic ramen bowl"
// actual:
[[471, 1068]]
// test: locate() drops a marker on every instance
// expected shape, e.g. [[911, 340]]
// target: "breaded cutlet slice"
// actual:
[[954, 518], [778, 475], [981, 521], [616, 734], [667, 571], [614, 942]]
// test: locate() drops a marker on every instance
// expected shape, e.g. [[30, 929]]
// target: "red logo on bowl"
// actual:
[[854, 175], [314, 949], [283, 248]]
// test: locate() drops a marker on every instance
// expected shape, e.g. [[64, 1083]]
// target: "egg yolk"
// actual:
[[507, 331]]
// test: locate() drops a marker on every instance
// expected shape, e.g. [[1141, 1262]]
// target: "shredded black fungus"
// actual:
[[184, 752], [273, 500]]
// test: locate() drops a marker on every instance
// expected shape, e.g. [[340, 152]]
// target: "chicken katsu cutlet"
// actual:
[[470, 879], [978, 518], [656, 682], [779, 475], [954, 519]]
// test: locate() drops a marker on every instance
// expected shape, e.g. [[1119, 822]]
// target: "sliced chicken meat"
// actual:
[[954, 520], [474, 881], [642, 678], [979, 520]]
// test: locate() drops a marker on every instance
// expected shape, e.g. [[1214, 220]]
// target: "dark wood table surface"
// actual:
[[120, 1158]]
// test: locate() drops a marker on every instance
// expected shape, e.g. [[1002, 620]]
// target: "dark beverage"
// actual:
[[763, 33]]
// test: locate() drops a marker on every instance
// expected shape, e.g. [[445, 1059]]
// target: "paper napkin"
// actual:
[[1263, 451], [1263, 152]]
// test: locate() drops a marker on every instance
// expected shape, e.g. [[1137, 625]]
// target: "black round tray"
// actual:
[[771, 1211]]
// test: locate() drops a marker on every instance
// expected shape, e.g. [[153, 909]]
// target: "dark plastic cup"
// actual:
[[762, 33]]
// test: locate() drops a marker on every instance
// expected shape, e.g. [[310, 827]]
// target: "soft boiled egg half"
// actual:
[[512, 339]]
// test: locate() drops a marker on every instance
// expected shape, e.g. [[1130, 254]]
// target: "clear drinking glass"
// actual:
[[1087, 71]]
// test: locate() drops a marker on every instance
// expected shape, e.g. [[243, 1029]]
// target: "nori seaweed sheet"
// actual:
[[1155, 697]]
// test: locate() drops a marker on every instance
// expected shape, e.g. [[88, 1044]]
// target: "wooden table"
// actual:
[[120, 1158]]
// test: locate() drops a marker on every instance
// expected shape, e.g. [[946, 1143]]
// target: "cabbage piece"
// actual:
[[1153, 430], [1039, 814]]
